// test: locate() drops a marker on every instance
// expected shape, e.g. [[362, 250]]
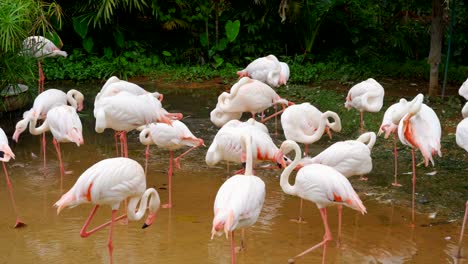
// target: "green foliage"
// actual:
[[232, 29]]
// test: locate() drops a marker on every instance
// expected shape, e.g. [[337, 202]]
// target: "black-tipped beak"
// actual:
[[144, 226], [280, 166], [244, 164]]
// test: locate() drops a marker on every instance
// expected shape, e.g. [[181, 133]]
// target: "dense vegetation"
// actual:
[[195, 40]]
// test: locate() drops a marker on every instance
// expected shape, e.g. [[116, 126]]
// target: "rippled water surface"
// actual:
[[182, 234]]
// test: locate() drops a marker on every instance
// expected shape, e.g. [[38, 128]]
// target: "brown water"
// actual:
[[182, 234]]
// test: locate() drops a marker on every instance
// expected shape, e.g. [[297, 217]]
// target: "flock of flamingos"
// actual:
[[124, 106]]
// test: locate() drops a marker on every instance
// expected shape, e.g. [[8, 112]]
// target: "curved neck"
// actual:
[[145, 137], [38, 130], [284, 179], [154, 201], [465, 111], [336, 125], [320, 130], [368, 138], [71, 99], [246, 141]]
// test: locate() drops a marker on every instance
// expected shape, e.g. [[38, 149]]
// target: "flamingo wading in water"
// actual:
[[239, 200], [109, 182], [320, 184], [5, 155]]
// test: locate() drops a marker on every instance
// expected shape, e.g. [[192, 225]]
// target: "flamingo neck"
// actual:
[[284, 179], [247, 145], [38, 130], [154, 202], [145, 136]]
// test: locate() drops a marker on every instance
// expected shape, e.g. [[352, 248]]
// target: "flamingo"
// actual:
[[172, 137], [420, 128], [227, 144], [463, 90], [40, 48], [114, 85], [462, 141], [365, 96], [304, 123], [268, 70], [5, 155], [320, 184], [110, 182], [247, 95], [65, 126], [42, 104], [239, 200], [390, 125], [124, 112]]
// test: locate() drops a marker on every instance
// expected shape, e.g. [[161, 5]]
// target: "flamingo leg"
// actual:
[[110, 244], [273, 115], [306, 150], [362, 122], [395, 154], [340, 214], [59, 155], [300, 220], [177, 160], [147, 153], [462, 231], [327, 237], [123, 144], [233, 249], [84, 233], [44, 148], [18, 223], [414, 185], [40, 85], [169, 178], [276, 121], [243, 239], [116, 135]]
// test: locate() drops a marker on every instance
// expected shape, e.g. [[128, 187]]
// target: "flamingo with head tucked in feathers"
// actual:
[[5, 155], [114, 86], [239, 200], [109, 182], [40, 47], [420, 129], [366, 96], [320, 184], [172, 137], [463, 90], [268, 70], [304, 123]]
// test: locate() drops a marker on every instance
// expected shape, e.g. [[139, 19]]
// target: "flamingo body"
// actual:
[[461, 133], [265, 69], [171, 137], [41, 47], [463, 90], [5, 151], [366, 96]]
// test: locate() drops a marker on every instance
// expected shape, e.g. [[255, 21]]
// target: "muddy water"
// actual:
[[182, 234]]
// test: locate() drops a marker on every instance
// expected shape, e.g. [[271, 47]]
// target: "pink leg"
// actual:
[[300, 220], [147, 153], [273, 115], [177, 160], [116, 135], [18, 223], [123, 144], [169, 178], [327, 237], [233, 249], [395, 154], [362, 122], [84, 233], [110, 245], [40, 86], [462, 231], [306, 150], [276, 121], [414, 184], [44, 148], [59, 155], [340, 214]]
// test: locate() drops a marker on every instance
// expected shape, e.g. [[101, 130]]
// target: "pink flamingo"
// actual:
[[5, 155], [40, 48], [124, 112], [172, 137], [462, 141], [268, 70], [239, 200], [389, 126], [110, 182], [304, 123], [322, 185], [247, 95], [65, 126], [365, 96], [114, 85], [463, 90], [420, 128], [227, 144], [42, 104]]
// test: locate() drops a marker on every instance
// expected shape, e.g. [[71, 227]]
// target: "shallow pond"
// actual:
[[182, 234]]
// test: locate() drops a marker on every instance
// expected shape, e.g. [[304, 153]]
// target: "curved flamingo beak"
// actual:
[[327, 130], [149, 221]]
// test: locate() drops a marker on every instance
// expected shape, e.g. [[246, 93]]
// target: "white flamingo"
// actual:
[[268, 70]]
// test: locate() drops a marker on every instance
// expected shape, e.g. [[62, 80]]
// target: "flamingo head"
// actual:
[[149, 221], [20, 128], [280, 159], [5, 153], [222, 221], [76, 136]]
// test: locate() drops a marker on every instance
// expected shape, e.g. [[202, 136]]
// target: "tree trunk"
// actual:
[[436, 46]]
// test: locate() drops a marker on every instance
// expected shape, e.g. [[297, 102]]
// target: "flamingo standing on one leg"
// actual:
[[239, 200], [320, 184], [365, 96], [462, 141], [40, 48], [65, 126], [5, 155], [420, 128], [172, 137], [110, 182]]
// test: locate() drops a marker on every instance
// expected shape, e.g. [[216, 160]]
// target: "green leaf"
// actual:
[[219, 61], [108, 52], [80, 27], [88, 44], [222, 44], [232, 29], [203, 40], [119, 38], [54, 37], [167, 53]]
